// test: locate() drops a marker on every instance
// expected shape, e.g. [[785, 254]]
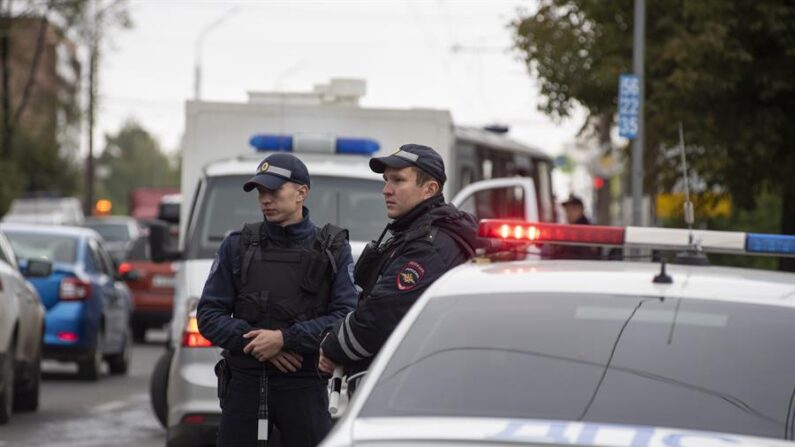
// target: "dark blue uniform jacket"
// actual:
[[354, 341], [216, 305]]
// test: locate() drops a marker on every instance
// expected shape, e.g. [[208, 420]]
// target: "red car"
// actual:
[[152, 287]]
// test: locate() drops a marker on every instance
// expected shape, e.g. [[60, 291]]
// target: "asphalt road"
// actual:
[[114, 411]]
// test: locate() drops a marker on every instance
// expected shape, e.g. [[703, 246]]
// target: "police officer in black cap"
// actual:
[[272, 289], [575, 214], [428, 237]]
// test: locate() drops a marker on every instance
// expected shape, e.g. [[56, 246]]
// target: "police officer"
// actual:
[[272, 289], [428, 237], [575, 214]]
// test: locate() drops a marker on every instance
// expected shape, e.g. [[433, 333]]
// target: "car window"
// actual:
[[53, 247], [140, 250], [695, 364], [7, 252], [111, 231], [355, 204], [96, 259], [107, 262]]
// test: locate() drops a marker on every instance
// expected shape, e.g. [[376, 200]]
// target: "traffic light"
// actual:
[[598, 182]]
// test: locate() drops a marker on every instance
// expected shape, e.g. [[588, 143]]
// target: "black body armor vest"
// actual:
[[282, 286]]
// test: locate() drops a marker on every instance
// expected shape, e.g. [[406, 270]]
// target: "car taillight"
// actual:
[[74, 289], [191, 338]]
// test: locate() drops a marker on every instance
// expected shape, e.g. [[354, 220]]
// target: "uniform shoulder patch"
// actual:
[[410, 275]]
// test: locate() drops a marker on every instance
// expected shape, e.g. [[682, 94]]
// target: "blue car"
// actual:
[[88, 306]]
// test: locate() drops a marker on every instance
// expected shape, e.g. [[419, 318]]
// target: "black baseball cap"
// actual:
[[276, 169], [417, 155], [573, 200]]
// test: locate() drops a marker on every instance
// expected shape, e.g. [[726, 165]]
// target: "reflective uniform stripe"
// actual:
[[407, 155], [353, 350], [279, 171]]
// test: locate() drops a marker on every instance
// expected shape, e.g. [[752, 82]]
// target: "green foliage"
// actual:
[[31, 160], [133, 158], [764, 217], [722, 68]]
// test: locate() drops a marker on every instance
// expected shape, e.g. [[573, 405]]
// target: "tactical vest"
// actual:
[[282, 286]]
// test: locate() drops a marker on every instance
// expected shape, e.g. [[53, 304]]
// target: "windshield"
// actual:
[[692, 364], [355, 204], [111, 232], [54, 248]]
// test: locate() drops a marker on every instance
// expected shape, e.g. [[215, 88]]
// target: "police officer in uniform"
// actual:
[[428, 237], [273, 287]]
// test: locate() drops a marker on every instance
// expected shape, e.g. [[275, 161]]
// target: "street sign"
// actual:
[[628, 105]]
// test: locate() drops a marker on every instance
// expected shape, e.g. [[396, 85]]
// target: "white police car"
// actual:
[[629, 354]]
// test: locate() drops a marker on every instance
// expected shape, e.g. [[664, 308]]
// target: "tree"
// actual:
[[133, 158], [33, 159], [722, 68]]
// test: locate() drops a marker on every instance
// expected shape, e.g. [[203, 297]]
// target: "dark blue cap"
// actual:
[[276, 169], [416, 155]]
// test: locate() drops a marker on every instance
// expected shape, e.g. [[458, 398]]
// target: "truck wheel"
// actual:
[[158, 387]]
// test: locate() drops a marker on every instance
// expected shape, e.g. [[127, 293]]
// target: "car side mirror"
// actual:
[[125, 272], [160, 243], [38, 268]]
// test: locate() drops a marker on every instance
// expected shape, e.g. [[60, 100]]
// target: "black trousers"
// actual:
[[298, 408]]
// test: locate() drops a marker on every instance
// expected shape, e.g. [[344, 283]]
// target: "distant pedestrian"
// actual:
[[575, 214]]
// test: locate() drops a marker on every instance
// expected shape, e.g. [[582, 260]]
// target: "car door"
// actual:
[[504, 198], [29, 307], [113, 306]]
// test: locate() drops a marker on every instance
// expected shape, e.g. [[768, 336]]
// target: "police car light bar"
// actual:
[[313, 143], [642, 237], [549, 232]]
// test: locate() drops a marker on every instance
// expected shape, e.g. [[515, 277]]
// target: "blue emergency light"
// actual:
[[313, 143], [770, 244]]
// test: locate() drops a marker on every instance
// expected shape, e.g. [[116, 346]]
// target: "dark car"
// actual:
[[152, 287], [88, 305], [119, 233]]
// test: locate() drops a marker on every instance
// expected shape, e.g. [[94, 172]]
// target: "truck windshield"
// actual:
[[355, 204]]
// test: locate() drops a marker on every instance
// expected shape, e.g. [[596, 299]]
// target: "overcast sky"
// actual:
[[445, 54]]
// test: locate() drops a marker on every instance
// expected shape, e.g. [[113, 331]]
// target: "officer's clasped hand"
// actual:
[[264, 343], [286, 361], [325, 364]]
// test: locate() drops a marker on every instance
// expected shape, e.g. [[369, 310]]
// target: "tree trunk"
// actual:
[[602, 195], [5, 101], [34, 65]]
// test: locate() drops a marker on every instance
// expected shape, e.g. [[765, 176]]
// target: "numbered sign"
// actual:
[[628, 105]]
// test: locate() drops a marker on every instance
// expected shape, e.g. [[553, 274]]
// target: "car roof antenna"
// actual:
[[693, 255]]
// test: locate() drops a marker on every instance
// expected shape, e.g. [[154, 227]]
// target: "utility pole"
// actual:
[[92, 93], [638, 54]]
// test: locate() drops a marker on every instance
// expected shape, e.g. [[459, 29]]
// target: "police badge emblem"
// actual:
[[409, 276]]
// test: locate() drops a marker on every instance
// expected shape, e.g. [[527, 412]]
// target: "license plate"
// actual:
[[163, 281]]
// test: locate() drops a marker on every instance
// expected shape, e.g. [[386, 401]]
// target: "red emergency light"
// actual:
[[520, 231]]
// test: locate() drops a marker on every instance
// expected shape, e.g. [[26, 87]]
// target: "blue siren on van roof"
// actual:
[[314, 143]]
